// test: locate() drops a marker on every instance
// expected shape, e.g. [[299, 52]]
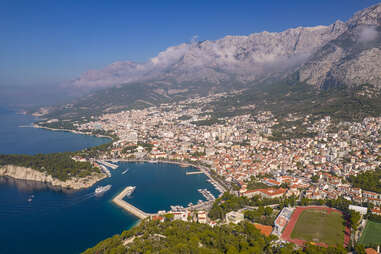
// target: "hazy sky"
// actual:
[[47, 42]]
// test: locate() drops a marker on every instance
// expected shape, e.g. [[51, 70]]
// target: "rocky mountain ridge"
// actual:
[[352, 59], [230, 59], [343, 53]]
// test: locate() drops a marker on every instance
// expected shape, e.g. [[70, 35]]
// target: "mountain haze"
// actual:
[[339, 54], [231, 59], [342, 55]]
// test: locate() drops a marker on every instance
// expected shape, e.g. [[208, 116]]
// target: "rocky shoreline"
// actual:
[[30, 174]]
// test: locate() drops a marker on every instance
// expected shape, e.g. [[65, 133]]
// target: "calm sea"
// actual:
[[17, 136], [57, 221]]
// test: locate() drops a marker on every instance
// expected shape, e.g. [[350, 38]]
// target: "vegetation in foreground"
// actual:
[[229, 202], [186, 237], [58, 165], [320, 226]]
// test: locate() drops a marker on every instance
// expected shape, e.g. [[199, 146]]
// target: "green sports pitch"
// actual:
[[371, 235], [320, 226]]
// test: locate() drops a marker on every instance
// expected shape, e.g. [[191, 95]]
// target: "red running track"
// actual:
[[286, 234]]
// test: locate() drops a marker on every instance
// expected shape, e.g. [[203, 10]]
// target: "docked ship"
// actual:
[[130, 190], [102, 189]]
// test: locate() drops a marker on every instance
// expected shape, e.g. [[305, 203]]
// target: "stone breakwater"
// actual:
[[30, 174], [118, 200]]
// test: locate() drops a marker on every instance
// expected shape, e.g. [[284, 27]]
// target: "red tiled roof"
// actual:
[[370, 251]]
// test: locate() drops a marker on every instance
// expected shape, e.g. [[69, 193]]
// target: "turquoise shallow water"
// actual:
[[69, 222]]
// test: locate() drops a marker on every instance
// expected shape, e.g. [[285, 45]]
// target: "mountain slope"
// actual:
[[353, 58], [323, 57], [231, 59]]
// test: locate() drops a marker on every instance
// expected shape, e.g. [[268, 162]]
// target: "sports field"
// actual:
[[320, 226], [371, 234]]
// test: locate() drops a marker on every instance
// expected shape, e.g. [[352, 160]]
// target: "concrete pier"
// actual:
[[110, 165], [105, 170], [193, 172], [118, 200]]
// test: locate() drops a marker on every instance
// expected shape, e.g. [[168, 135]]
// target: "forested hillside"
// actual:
[[186, 237], [58, 165]]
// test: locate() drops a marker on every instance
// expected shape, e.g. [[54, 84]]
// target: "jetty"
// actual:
[[193, 172], [105, 170], [108, 164], [118, 200]]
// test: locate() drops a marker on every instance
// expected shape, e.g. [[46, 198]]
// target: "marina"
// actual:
[[108, 164], [207, 194], [104, 169], [217, 185]]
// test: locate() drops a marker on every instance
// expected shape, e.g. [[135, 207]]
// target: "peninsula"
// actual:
[[76, 183], [58, 169]]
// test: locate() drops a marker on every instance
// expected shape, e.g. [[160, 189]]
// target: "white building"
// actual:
[[234, 217], [359, 209]]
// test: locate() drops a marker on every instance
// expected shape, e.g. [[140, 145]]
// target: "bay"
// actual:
[[18, 136], [58, 221]]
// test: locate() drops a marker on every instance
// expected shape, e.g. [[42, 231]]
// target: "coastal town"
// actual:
[[244, 156]]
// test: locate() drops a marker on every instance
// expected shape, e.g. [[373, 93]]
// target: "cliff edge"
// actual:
[[24, 173]]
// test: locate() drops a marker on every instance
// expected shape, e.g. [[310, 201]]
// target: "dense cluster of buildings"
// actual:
[[242, 147]]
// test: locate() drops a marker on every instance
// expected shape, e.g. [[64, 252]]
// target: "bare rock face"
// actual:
[[353, 58], [365, 68], [368, 16], [315, 72], [323, 56], [232, 58], [24, 173]]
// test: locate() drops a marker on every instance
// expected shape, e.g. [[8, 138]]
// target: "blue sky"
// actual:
[[47, 42]]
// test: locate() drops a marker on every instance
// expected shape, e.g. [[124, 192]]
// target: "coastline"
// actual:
[[72, 131], [29, 174], [141, 215]]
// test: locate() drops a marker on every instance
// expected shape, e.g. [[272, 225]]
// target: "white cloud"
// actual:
[[368, 33]]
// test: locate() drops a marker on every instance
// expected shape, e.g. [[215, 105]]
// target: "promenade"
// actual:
[[118, 200]]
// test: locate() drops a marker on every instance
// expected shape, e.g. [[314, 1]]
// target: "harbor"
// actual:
[[209, 196], [104, 164], [205, 204], [105, 170], [108, 164], [201, 170]]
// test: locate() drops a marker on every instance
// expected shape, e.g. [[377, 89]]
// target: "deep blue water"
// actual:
[[28, 140], [69, 222]]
